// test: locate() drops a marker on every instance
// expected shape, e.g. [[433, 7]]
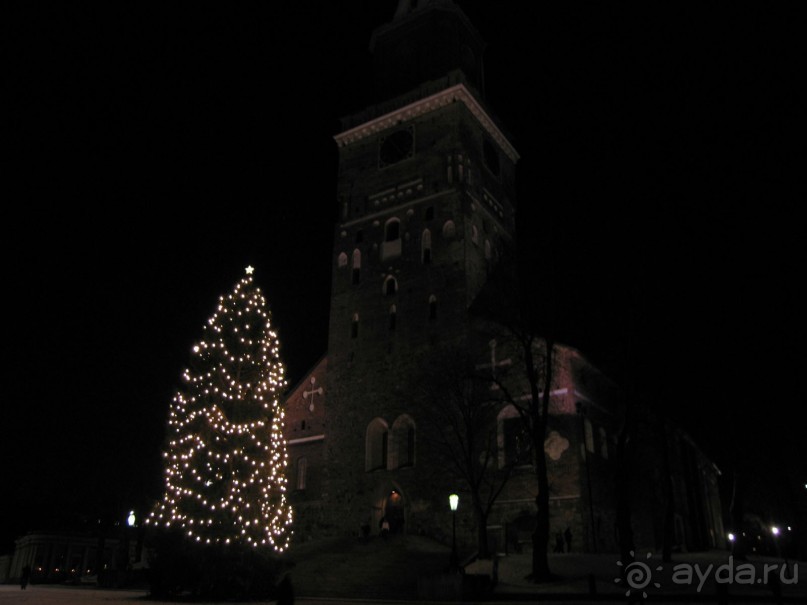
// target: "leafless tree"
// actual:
[[534, 373], [526, 385], [459, 420]]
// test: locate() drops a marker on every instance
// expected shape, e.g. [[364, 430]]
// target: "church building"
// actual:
[[426, 212]]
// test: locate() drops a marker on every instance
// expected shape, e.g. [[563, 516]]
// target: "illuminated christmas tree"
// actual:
[[226, 454]]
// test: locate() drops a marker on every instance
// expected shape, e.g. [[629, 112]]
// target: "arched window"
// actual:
[[426, 247], [302, 472], [354, 326], [392, 230], [589, 435], [393, 314], [474, 235], [603, 443], [449, 230], [391, 246], [376, 438], [432, 307], [342, 260], [356, 266], [390, 286], [402, 444], [513, 440]]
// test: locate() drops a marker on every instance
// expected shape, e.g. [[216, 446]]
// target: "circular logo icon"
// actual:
[[637, 575]]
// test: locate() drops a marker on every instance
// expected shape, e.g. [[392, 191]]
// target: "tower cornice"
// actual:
[[457, 93]]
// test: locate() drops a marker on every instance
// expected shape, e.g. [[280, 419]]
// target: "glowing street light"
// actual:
[[775, 530], [732, 537], [130, 520], [453, 502]]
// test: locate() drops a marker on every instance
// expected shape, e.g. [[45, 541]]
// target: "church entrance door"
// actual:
[[394, 511]]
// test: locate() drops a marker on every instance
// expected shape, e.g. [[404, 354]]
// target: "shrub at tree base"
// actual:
[[181, 569]]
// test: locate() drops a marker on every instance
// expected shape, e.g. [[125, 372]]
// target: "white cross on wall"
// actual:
[[312, 392], [493, 363]]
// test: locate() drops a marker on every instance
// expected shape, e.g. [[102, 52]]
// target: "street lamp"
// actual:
[[453, 502], [130, 520]]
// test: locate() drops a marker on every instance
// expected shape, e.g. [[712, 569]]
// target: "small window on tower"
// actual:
[[474, 235], [603, 443], [392, 230], [589, 435], [302, 472], [390, 285], [426, 247], [356, 266], [342, 260], [391, 246]]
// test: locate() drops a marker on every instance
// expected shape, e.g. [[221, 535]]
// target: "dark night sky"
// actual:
[[155, 152]]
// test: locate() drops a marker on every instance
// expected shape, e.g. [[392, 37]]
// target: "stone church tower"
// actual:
[[426, 199], [426, 206]]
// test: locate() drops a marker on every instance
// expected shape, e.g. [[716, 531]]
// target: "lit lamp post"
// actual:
[[453, 501]]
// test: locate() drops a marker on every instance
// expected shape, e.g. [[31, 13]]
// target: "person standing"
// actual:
[[25, 577]]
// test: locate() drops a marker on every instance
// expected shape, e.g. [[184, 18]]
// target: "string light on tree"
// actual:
[[226, 456]]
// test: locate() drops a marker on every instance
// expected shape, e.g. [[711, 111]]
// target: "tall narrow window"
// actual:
[[354, 326], [603, 443], [589, 435], [474, 235], [342, 260], [410, 446], [488, 250], [391, 246], [376, 441], [393, 314], [302, 472], [516, 442], [356, 266], [426, 247], [432, 307], [402, 442], [392, 230], [390, 285]]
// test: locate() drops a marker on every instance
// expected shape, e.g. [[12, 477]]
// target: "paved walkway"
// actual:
[[350, 571]]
